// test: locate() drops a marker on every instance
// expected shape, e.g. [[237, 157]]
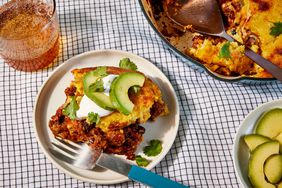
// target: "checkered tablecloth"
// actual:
[[210, 110]]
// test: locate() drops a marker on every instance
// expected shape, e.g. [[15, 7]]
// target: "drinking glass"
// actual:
[[29, 33]]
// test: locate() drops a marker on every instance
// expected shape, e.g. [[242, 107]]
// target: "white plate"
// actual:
[[240, 149], [51, 96]]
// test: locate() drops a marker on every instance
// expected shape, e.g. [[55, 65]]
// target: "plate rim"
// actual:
[[239, 133], [66, 64]]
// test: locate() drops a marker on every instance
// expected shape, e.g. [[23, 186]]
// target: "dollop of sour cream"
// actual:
[[87, 105], [107, 80]]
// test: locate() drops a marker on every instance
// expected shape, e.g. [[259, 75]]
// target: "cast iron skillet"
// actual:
[[147, 11]]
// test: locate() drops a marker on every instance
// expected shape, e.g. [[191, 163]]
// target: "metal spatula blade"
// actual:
[[203, 15]]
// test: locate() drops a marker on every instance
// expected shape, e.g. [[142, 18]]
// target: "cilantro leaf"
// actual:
[[100, 72], [92, 81], [276, 29], [141, 161], [224, 51], [71, 108], [154, 148], [126, 63], [92, 118], [97, 86]]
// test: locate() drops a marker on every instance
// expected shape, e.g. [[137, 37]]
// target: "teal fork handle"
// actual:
[[151, 179]]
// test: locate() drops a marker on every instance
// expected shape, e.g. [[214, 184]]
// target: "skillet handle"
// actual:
[[151, 179]]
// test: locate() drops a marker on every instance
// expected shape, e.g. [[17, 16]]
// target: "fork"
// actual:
[[83, 156]]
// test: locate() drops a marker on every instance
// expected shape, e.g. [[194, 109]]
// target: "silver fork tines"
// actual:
[[70, 144], [81, 156], [61, 156], [65, 149]]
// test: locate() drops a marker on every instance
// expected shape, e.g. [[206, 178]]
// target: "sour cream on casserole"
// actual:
[[107, 80], [87, 105]]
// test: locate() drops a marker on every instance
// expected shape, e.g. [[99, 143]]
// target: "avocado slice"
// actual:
[[279, 139], [99, 98], [254, 140], [273, 168], [256, 163], [119, 90], [270, 123]]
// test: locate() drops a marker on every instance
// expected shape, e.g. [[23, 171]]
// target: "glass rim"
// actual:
[[45, 26]]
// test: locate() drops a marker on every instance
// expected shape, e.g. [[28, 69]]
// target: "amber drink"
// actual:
[[29, 33]]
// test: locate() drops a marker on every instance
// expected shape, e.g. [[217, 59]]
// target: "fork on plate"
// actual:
[[83, 156]]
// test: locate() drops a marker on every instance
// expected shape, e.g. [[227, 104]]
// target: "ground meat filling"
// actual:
[[63, 127], [157, 110], [120, 141], [70, 91], [133, 137]]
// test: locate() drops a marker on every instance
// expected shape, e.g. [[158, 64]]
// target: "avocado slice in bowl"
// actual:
[[256, 163], [273, 168], [279, 139], [270, 123], [254, 140]]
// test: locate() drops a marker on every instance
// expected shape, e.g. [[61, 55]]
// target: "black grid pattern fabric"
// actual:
[[210, 110]]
